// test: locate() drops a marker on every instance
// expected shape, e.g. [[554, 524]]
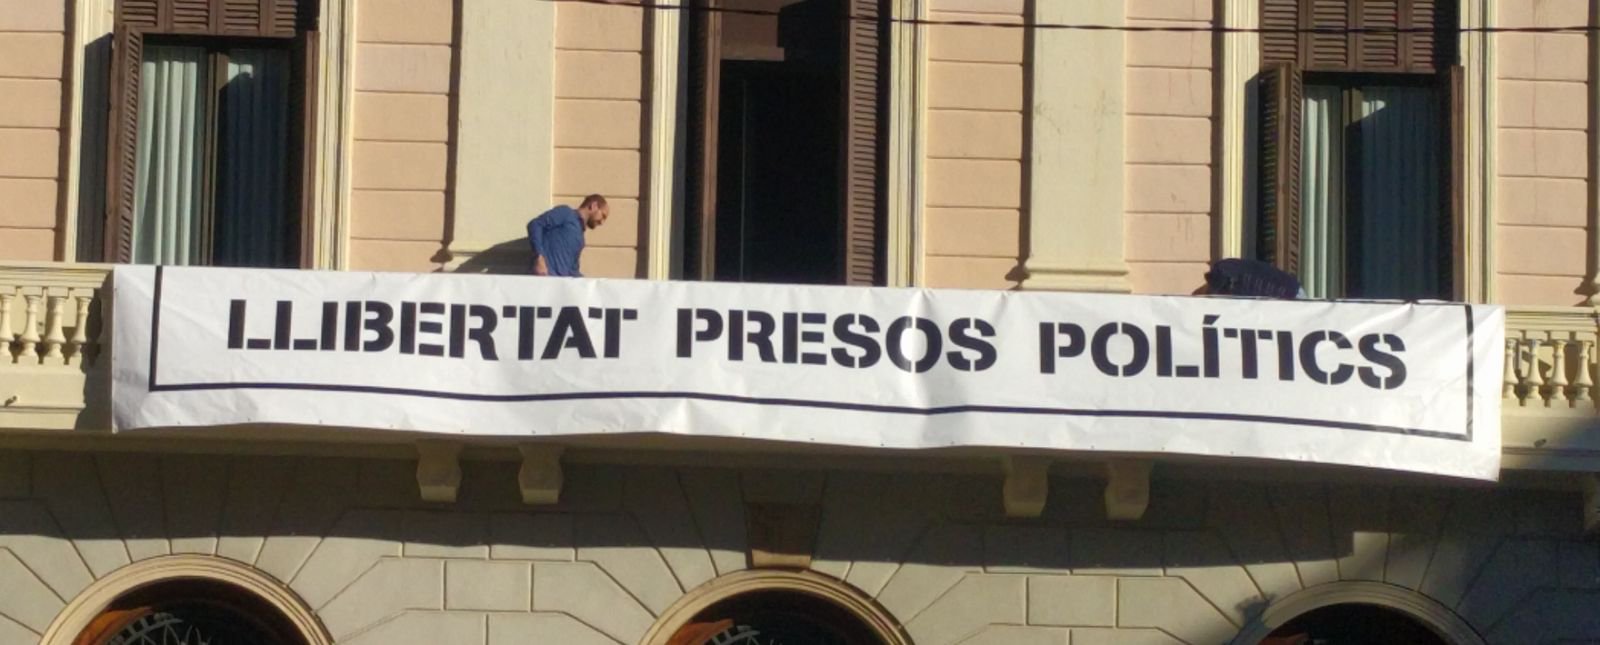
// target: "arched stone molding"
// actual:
[[749, 581], [92, 601], [1449, 626]]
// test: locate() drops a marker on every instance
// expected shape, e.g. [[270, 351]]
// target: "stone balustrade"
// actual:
[[1550, 358], [49, 315]]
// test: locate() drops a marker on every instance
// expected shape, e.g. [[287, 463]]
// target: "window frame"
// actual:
[[1290, 54], [863, 166], [214, 24]]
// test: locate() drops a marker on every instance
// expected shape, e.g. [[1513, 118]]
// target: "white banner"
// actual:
[[1411, 387]]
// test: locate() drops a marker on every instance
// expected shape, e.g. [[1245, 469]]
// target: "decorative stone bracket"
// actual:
[[438, 470], [1027, 486], [1127, 488], [540, 477]]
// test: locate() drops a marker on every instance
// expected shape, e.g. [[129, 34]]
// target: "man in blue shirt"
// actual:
[[557, 236]]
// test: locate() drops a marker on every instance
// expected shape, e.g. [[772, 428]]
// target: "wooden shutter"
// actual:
[[1282, 92], [302, 168], [122, 141], [1280, 43], [278, 18], [864, 34], [703, 90], [1332, 46], [1415, 36], [1452, 215]]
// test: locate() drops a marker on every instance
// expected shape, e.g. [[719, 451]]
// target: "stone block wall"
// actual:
[[625, 543], [1541, 211]]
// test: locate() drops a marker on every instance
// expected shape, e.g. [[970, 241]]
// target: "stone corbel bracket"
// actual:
[[438, 470], [540, 477], [1027, 486], [1127, 488]]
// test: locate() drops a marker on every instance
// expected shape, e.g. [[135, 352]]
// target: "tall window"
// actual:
[[208, 131], [785, 102], [1360, 135]]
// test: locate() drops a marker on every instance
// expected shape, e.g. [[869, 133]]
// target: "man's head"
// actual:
[[594, 211]]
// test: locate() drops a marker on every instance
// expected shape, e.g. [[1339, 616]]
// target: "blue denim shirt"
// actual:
[[557, 236]]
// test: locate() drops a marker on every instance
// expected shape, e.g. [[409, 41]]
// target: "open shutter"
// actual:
[[122, 144], [703, 90], [1282, 96], [859, 185], [1452, 215], [302, 170]]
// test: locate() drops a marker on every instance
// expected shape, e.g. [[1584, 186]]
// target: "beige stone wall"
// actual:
[[974, 218], [1542, 208], [349, 537], [599, 127], [1168, 97], [32, 52], [399, 166]]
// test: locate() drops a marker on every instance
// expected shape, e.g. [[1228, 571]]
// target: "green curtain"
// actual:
[[1322, 188], [168, 193]]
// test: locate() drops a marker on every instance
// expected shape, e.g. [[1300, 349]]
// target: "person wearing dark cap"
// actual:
[[1241, 277], [557, 236]]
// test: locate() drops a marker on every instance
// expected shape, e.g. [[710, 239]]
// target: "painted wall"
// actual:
[[1543, 185], [974, 218], [399, 166], [600, 88], [32, 64], [1169, 136], [349, 537]]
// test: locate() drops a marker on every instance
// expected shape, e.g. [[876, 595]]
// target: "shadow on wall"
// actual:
[[509, 257], [1205, 560]]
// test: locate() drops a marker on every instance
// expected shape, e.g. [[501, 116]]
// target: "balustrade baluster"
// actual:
[[6, 335], [54, 336], [78, 344], [1583, 389], [1509, 390], [1558, 375], [30, 331], [1533, 380]]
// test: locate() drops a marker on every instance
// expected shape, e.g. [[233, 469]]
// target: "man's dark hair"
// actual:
[[595, 199]]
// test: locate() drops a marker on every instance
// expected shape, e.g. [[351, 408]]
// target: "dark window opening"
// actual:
[[784, 107], [1353, 624], [190, 612], [775, 618]]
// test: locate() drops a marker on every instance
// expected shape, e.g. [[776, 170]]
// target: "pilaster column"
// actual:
[[1241, 58], [1591, 283], [504, 128], [1075, 195]]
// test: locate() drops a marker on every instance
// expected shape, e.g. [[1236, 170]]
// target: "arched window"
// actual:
[[775, 608], [1357, 612], [1353, 624], [186, 600], [190, 612]]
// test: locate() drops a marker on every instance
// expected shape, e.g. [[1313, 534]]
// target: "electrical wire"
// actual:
[[688, 7]]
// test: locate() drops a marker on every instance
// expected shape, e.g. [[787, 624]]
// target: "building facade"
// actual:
[[1413, 149]]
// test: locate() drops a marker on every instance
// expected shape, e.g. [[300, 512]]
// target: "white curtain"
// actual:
[[252, 153], [1322, 192], [1400, 193], [168, 194]]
